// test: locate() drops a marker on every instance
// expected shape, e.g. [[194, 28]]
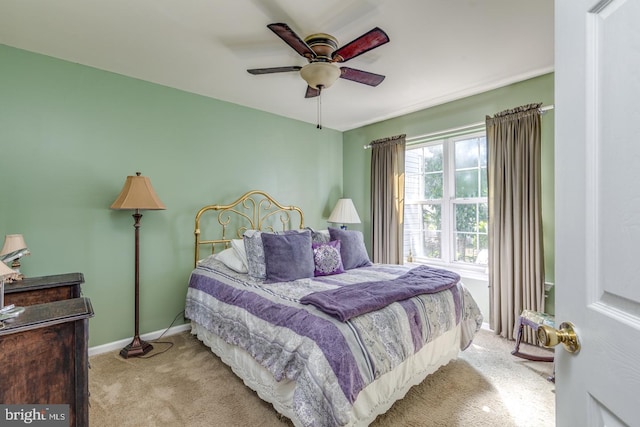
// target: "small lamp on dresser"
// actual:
[[6, 275], [344, 213], [13, 249]]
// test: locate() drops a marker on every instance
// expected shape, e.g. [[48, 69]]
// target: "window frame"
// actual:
[[448, 203]]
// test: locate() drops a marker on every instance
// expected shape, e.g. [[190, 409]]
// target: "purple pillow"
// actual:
[[352, 248], [288, 256], [327, 259], [254, 250]]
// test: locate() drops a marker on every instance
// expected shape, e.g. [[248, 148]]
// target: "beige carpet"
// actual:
[[189, 386]]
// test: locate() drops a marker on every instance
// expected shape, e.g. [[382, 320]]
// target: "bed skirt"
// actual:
[[373, 400]]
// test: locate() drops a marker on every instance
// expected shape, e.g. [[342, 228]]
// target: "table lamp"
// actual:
[[6, 275], [344, 213], [13, 249]]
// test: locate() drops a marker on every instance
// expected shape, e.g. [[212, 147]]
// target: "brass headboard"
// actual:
[[255, 210]]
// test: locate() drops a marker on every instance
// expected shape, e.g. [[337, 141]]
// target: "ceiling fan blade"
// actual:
[[362, 44], [311, 92], [257, 71], [291, 38], [360, 76]]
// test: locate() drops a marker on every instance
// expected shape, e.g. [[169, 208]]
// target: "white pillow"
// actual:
[[229, 258], [241, 252]]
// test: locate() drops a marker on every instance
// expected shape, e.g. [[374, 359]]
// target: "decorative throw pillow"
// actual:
[[319, 236], [288, 256], [254, 251], [255, 254], [327, 259], [352, 248]]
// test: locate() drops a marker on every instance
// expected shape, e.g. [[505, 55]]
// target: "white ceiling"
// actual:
[[440, 50]]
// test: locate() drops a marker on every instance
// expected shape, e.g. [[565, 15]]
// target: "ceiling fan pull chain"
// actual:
[[319, 107]]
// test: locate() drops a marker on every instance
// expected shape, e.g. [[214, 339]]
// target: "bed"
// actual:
[[305, 319]]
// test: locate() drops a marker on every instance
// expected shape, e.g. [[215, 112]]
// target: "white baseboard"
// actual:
[[117, 345]]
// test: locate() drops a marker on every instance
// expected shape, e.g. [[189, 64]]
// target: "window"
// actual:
[[446, 210]]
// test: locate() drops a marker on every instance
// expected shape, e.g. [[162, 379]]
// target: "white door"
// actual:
[[597, 140]]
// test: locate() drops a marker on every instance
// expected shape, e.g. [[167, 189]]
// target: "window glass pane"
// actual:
[[483, 245], [466, 219], [432, 226], [412, 160], [466, 153], [484, 192], [467, 183], [466, 250], [432, 216], [483, 151], [412, 227], [472, 248], [412, 186], [413, 174], [432, 244], [471, 240], [433, 158], [483, 250], [433, 186], [483, 218]]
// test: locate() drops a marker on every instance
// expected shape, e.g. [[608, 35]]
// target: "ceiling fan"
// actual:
[[322, 52]]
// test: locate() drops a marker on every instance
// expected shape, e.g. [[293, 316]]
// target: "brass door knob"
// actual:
[[550, 337]]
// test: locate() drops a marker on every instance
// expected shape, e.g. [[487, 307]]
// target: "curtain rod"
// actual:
[[458, 129]]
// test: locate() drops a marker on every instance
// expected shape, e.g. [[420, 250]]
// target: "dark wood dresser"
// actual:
[[38, 290], [44, 357]]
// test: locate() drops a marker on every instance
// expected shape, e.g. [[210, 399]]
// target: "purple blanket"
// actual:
[[353, 300]]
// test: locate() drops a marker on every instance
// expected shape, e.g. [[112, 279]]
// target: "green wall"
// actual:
[[69, 136], [451, 115]]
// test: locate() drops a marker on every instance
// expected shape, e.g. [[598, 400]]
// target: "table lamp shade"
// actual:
[[137, 193], [344, 213], [13, 243], [6, 272]]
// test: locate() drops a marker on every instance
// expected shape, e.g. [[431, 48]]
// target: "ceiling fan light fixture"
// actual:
[[322, 44], [320, 74]]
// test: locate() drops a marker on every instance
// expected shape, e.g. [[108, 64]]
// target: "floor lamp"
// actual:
[[137, 194]]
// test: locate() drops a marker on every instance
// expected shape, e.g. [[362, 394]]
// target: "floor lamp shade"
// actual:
[[137, 194]]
